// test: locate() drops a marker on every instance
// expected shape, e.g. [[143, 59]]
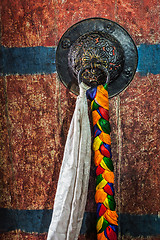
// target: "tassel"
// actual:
[[107, 218]]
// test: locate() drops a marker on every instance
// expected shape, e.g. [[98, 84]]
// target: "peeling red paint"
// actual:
[[18, 235], [140, 19], [43, 23], [139, 125], [37, 110], [30, 23], [37, 148]]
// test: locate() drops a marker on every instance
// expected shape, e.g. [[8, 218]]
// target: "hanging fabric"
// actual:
[[71, 194]]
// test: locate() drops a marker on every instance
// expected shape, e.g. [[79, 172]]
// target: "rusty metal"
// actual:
[[92, 81], [96, 45], [94, 50]]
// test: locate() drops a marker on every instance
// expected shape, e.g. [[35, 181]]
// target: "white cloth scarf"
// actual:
[[71, 194]]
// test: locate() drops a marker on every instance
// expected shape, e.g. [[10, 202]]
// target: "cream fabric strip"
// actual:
[[71, 195]]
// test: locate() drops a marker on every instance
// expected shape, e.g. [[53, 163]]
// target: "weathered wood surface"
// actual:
[[36, 110]]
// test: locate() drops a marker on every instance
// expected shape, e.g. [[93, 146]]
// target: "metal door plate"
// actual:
[[89, 38]]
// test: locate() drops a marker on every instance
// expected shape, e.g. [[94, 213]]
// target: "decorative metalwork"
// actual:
[[92, 50], [66, 43], [92, 43]]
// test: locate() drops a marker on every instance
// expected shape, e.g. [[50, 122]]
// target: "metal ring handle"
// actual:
[[102, 68]]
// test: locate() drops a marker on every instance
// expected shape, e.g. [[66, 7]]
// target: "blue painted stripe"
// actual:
[[149, 59], [38, 221], [30, 60], [133, 225], [140, 225], [41, 60], [25, 220]]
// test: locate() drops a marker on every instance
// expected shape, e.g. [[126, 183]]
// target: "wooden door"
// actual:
[[36, 111]]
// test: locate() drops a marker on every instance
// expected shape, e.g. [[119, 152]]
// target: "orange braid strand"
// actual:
[[107, 218]]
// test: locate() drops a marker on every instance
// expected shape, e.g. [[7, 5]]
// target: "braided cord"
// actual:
[[107, 218]]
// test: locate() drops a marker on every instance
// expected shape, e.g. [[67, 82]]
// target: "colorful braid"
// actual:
[[107, 218]]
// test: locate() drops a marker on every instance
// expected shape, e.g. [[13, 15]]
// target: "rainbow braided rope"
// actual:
[[107, 218]]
